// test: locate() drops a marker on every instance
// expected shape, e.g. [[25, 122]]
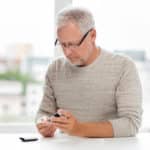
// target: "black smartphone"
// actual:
[[28, 139]]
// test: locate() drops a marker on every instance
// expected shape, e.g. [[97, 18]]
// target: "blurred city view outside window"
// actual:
[[27, 40], [26, 49], [124, 27]]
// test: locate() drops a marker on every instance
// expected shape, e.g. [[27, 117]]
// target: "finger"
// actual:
[[61, 126], [47, 131], [43, 119], [45, 125], [42, 125], [53, 129], [65, 113], [43, 131], [61, 120], [48, 134]]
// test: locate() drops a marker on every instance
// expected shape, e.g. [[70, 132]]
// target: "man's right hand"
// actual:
[[46, 128]]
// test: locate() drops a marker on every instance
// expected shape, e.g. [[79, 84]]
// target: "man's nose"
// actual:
[[68, 51]]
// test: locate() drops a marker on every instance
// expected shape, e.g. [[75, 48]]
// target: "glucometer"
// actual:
[[56, 115]]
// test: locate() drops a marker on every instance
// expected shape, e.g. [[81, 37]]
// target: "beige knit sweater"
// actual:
[[109, 89]]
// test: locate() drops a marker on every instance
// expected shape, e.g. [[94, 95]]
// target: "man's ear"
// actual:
[[93, 35]]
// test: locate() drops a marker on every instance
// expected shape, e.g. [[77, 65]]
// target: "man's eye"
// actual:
[[70, 44], [64, 44]]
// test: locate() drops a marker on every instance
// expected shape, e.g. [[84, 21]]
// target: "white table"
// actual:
[[65, 142]]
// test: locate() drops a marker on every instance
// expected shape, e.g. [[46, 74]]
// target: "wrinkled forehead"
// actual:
[[69, 26], [69, 31]]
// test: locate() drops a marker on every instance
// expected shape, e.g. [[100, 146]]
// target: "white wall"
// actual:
[[121, 24], [27, 21]]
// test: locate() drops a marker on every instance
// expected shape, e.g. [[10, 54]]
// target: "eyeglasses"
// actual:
[[72, 45]]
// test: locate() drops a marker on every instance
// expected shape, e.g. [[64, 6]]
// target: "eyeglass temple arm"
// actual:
[[56, 41]]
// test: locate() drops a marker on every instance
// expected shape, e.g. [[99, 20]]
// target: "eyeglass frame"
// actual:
[[75, 45]]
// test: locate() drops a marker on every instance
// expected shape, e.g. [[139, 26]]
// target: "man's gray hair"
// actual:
[[77, 15]]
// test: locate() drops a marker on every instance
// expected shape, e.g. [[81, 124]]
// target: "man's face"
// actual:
[[70, 36]]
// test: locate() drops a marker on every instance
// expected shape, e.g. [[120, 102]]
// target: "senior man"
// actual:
[[95, 92]]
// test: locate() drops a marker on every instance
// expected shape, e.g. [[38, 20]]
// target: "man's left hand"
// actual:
[[66, 122]]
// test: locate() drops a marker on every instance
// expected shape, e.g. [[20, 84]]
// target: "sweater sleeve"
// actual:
[[129, 102], [48, 103]]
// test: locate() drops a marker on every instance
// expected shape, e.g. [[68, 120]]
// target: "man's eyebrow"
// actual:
[[70, 42]]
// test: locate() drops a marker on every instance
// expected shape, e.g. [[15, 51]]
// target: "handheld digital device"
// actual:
[[23, 139], [56, 115]]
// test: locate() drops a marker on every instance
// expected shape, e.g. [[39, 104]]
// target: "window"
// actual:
[[26, 48]]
